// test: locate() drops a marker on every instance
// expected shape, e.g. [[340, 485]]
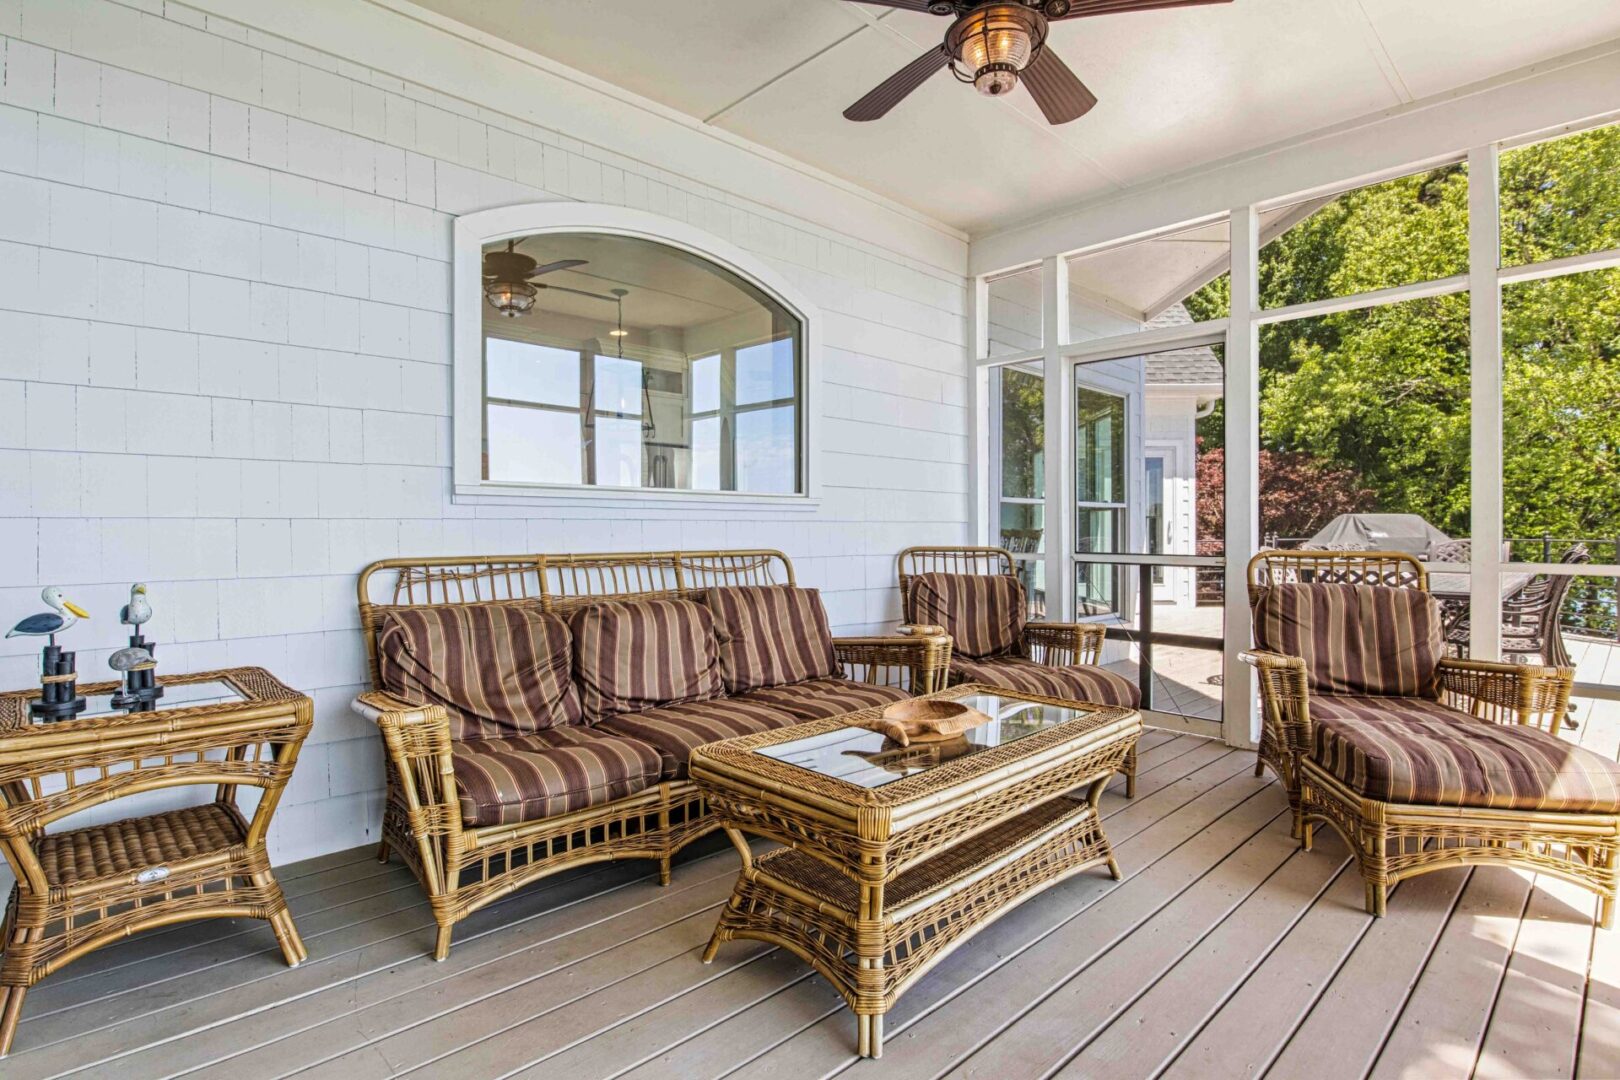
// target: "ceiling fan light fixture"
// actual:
[[511, 298], [994, 43]]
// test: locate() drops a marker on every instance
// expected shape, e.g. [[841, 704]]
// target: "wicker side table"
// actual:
[[80, 889]]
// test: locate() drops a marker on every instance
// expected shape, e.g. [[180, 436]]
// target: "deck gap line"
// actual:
[[706, 1028], [1010, 957], [1125, 1006], [713, 975], [1501, 978], [834, 1011], [1586, 989], [552, 940], [1232, 991], [296, 997], [1110, 945]]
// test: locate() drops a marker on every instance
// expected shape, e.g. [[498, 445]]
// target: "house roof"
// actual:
[[1197, 366]]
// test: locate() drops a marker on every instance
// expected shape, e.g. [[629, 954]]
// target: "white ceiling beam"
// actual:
[[1107, 303]]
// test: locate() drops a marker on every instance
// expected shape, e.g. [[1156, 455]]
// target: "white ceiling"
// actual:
[[1176, 88]]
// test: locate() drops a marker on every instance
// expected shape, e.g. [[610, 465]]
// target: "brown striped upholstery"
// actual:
[[498, 669], [555, 771], [818, 699], [676, 729], [770, 635], [1356, 639], [1076, 682], [644, 654], [1419, 752], [983, 613]]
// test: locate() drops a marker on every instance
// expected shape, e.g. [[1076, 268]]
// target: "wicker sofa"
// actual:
[[974, 595], [1419, 761], [537, 710]]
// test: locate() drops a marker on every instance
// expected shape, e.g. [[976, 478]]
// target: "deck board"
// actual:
[[1224, 952]]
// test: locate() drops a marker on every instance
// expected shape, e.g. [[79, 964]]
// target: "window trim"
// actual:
[[473, 231]]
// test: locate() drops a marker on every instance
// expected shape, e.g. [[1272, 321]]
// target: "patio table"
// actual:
[[896, 855], [1452, 589]]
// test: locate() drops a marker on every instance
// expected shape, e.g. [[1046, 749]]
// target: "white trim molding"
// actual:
[[473, 231]]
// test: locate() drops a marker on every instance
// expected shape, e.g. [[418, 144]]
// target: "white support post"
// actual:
[[980, 511], [1242, 473], [1485, 366], [1059, 378]]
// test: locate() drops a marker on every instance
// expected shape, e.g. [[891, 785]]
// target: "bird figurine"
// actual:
[[63, 614], [138, 610], [129, 659]]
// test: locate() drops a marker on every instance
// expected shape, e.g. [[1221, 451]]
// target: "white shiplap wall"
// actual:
[[224, 354]]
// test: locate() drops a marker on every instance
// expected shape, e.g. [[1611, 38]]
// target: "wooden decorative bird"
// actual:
[[63, 614], [138, 610]]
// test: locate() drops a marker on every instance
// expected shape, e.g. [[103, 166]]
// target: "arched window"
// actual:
[[602, 352]]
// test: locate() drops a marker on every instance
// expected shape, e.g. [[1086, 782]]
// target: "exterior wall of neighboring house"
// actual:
[[1172, 438]]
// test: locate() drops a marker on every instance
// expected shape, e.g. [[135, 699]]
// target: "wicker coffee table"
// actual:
[[894, 855], [80, 889]]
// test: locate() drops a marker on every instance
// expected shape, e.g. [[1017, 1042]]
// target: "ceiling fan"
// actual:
[[509, 275], [994, 44]]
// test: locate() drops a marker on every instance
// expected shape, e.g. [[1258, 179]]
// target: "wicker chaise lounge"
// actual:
[[537, 711], [974, 595], [1418, 761]]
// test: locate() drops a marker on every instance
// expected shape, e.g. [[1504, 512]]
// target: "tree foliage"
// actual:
[[1383, 393], [1304, 493]]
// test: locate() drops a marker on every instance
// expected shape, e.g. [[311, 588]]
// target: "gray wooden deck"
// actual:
[[1224, 952]]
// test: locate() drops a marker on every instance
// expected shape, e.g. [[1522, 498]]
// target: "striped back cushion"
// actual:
[[636, 655], [1356, 639], [498, 669], [983, 613], [770, 635]]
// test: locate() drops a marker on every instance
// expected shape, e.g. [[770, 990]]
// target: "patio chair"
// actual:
[[1531, 623], [975, 595], [1418, 760]]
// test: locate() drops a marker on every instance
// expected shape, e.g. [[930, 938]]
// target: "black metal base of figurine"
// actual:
[[59, 690]]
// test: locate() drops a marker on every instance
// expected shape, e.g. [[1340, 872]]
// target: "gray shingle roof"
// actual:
[[1181, 366]]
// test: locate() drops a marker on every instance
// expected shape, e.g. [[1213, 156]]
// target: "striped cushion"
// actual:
[[498, 669], [528, 777], [983, 613], [678, 729], [770, 635], [1076, 682], [1422, 753], [1356, 639], [821, 698], [643, 654]]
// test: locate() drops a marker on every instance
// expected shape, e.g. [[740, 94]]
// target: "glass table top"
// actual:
[[175, 696], [867, 759]]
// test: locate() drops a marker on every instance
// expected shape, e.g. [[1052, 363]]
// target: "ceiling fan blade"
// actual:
[[560, 264], [903, 5], [891, 91], [1085, 8], [1060, 94]]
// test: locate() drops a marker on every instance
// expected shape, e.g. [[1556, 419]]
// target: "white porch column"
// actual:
[[1485, 438], [1242, 472], [1059, 377]]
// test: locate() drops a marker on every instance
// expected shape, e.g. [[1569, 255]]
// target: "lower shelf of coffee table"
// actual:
[[811, 908]]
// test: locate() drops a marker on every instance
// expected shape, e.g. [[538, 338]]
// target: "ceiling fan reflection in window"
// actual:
[[509, 283], [995, 45]]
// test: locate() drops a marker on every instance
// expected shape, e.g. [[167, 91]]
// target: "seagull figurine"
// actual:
[[63, 614], [129, 659], [138, 610]]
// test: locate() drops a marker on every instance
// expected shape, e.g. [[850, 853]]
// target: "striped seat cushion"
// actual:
[[677, 729], [1415, 751], [770, 635], [630, 656], [551, 772], [983, 613], [1076, 682], [818, 699], [498, 669], [1356, 639]]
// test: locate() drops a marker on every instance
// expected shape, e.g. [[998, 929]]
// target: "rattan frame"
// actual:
[[215, 863], [462, 869], [1392, 841], [1054, 644], [875, 886]]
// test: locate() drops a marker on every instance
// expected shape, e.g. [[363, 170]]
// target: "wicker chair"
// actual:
[[462, 867], [1063, 646], [1397, 839]]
